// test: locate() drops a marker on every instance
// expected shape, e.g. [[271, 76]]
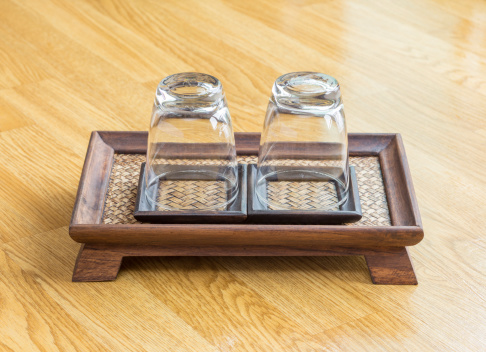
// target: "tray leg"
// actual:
[[391, 267], [96, 264]]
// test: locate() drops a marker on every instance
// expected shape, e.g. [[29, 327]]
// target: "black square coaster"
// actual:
[[259, 212], [174, 191]]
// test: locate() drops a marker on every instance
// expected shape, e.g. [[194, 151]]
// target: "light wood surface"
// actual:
[[69, 67]]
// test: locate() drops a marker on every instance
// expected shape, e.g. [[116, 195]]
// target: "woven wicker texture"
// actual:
[[301, 195], [122, 190], [185, 195]]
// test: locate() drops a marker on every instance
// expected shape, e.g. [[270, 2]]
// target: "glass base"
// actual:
[[300, 189]]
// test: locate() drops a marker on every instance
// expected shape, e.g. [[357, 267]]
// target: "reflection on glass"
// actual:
[[191, 149], [304, 141]]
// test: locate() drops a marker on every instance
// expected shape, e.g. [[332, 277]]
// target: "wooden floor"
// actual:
[[416, 67]]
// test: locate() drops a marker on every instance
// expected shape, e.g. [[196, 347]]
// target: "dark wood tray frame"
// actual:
[[384, 247]]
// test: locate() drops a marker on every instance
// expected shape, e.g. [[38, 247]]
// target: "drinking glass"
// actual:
[[303, 156], [191, 156]]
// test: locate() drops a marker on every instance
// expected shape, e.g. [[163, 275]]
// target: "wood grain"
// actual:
[[69, 68], [392, 268], [97, 264], [101, 262]]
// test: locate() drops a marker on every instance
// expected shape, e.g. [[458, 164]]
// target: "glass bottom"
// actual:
[[193, 190], [301, 190]]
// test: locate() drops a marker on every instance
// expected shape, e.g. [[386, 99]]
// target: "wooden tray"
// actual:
[[103, 220]]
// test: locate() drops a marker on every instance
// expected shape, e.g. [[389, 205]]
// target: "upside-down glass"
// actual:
[[191, 142], [304, 140]]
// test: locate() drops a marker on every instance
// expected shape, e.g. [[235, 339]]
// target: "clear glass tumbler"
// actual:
[[303, 157], [191, 157]]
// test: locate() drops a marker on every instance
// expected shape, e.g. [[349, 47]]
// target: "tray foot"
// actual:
[[387, 266], [391, 267], [96, 264]]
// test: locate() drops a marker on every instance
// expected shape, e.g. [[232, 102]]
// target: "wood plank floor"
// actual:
[[416, 67]]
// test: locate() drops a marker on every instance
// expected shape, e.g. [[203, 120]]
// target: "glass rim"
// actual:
[[234, 189], [279, 206]]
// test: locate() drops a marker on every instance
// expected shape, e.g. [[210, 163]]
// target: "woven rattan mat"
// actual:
[[122, 190], [186, 195]]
